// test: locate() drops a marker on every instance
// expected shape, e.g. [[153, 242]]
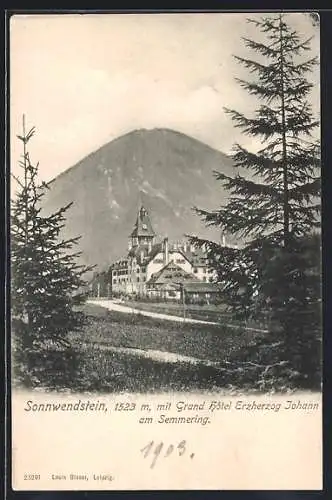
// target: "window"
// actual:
[[195, 270]]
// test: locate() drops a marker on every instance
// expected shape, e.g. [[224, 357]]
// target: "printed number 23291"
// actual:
[[31, 477]]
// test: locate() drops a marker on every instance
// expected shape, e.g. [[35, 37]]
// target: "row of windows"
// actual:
[[126, 271], [204, 270], [129, 280]]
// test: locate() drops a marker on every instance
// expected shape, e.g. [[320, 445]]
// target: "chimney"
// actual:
[[166, 252]]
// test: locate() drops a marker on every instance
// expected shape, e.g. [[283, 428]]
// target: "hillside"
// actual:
[[166, 170]]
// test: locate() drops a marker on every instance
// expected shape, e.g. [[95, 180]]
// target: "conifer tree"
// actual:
[[46, 278], [273, 206]]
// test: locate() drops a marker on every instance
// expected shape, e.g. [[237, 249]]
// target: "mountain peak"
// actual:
[[173, 171]]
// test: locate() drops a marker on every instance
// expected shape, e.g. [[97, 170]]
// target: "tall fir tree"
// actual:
[[46, 278], [274, 200]]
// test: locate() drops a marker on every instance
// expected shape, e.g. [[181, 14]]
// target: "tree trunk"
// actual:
[[284, 142]]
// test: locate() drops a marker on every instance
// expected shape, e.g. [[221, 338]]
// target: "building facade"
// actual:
[[148, 261]]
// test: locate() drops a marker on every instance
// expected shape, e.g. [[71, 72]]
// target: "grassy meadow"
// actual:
[[93, 364], [119, 352]]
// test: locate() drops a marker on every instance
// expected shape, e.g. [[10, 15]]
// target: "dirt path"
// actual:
[[115, 306], [155, 355]]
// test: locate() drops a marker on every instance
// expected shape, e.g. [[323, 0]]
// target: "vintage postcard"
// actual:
[[165, 248]]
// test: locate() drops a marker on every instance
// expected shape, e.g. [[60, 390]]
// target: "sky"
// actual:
[[83, 80]]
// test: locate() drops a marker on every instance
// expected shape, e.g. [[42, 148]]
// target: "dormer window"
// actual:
[[144, 226]]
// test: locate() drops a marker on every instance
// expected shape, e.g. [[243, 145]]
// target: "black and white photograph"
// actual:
[[165, 227]]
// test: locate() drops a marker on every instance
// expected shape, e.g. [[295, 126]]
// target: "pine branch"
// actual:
[[306, 191], [265, 50], [267, 92], [17, 180], [25, 138], [305, 66], [254, 66], [242, 186], [264, 125]]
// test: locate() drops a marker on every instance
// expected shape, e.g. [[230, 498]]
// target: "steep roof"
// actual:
[[147, 255], [143, 226], [171, 273], [196, 258]]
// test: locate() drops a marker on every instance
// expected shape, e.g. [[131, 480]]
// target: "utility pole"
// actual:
[[183, 301]]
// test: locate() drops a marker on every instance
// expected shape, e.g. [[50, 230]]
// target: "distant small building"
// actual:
[[101, 284], [201, 292]]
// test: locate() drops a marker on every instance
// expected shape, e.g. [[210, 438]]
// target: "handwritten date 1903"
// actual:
[[155, 450]]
